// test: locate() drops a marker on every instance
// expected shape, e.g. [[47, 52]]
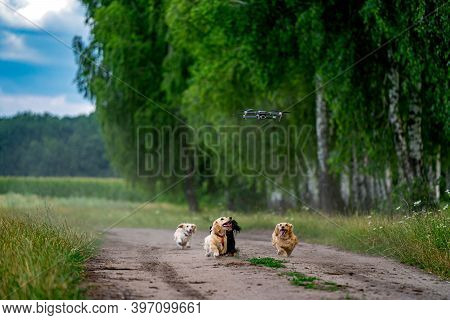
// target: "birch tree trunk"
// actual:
[[345, 188], [313, 186], [368, 183], [329, 195], [355, 184], [415, 133], [388, 181], [401, 147], [189, 182], [437, 191]]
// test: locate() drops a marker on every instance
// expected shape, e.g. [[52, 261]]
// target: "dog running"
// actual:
[[221, 240], [183, 235], [216, 243], [284, 239], [231, 248]]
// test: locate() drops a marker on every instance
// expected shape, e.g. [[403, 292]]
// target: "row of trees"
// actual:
[[369, 76], [45, 145]]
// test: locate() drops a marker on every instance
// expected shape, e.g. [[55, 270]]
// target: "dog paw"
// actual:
[[282, 253]]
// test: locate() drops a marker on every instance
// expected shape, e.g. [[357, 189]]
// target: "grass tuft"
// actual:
[[267, 262], [302, 280]]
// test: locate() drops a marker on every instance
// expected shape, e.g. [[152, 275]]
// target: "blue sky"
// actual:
[[36, 71]]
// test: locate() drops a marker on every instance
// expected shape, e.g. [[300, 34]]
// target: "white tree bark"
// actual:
[[369, 184], [313, 186], [388, 181], [355, 190], [345, 188], [401, 146], [321, 127], [415, 133], [329, 195], [437, 191]]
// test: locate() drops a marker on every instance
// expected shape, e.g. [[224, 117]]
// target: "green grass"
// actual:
[[301, 280], [107, 188], [41, 258], [267, 262]]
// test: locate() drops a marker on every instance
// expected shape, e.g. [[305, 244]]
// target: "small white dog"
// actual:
[[183, 234]]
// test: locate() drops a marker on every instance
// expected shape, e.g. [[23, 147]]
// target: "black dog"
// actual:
[[231, 243]]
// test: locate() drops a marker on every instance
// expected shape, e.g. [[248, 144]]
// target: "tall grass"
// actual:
[[107, 188], [421, 239], [41, 258]]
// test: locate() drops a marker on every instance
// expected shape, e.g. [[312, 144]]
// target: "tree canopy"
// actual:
[[366, 83]]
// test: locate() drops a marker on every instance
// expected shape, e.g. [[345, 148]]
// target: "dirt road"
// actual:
[[145, 264]]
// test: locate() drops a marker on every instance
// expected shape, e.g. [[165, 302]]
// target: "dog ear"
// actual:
[[216, 227], [236, 227], [291, 228], [194, 228], [277, 232], [181, 225]]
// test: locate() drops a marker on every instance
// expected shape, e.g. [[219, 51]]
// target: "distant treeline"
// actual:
[[45, 145]]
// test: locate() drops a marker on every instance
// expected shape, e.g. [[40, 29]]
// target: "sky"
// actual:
[[36, 71]]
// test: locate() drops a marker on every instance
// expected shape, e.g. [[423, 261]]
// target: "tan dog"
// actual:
[[284, 239], [216, 242]]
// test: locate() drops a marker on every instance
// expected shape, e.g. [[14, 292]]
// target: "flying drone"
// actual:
[[262, 115]]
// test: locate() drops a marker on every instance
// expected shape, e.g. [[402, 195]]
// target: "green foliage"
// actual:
[[170, 62], [41, 258], [44, 145], [301, 280], [267, 262]]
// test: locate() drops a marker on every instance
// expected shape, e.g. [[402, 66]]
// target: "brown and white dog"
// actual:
[[183, 234], [216, 242], [284, 239]]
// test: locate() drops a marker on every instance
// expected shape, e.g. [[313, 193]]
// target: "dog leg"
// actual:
[[215, 251], [188, 244], [289, 252], [281, 251]]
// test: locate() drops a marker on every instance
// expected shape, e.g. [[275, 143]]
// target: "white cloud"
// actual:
[[52, 15], [13, 47], [57, 105]]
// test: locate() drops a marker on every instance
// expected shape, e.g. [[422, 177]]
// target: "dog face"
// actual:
[[188, 228], [283, 229], [222, 223]]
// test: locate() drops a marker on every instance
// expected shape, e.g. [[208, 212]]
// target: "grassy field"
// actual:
[[60, 228], [41, 257], [105, 188]]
